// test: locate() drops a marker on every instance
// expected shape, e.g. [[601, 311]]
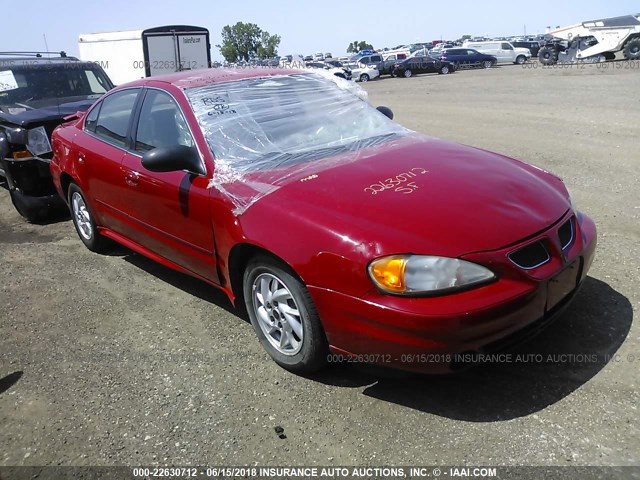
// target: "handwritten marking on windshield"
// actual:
[[310, 177], [400, 183]]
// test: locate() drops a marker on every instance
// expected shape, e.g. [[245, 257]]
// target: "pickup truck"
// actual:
[[37, 93]]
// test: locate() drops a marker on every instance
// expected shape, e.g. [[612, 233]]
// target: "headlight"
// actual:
[[419, 274]]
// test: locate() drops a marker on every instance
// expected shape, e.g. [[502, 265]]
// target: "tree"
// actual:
[[268, 47], [356, 46], [243, 41]]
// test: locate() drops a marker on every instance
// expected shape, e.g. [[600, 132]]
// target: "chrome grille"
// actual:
[[566, 234], [531, 256]]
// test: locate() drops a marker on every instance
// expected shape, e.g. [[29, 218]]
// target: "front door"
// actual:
[[169, 211]]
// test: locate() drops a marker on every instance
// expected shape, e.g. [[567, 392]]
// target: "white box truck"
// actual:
[[134, 54]]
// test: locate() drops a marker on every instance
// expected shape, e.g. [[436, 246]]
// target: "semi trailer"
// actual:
[[593, 41], [134, 54]]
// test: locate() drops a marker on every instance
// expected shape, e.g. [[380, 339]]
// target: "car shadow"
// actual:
[[539, 373], [10, 380], [186, 283]]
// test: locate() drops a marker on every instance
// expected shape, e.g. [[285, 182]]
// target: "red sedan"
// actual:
[[345, 235]]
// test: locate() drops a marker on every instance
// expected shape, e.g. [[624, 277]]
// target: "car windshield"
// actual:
[[265, 123], [28, 87]]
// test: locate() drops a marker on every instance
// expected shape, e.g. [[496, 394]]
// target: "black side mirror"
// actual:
[[385, 111], [172, 159]]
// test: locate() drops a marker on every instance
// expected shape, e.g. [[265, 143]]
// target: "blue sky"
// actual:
[[305, 26]]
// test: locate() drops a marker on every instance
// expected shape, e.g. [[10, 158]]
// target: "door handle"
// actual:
[[132, 179], [80, 157]]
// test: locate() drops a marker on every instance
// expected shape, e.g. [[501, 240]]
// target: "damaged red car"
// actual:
[[345, 235]]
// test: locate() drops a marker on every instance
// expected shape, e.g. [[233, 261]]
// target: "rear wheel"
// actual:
[[407, 73], [632, 49], [548, 56], [84, 221], [284, 316], [364, 77]]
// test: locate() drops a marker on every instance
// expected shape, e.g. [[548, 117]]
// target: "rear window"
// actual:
[[113, 120]]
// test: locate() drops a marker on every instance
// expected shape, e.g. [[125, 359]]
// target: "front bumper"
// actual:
[[424, 334]]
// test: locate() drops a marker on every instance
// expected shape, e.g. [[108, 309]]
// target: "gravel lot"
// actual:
[[113, 359]]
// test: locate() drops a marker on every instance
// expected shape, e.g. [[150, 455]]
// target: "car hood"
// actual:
[[38, 116], [422, 195]]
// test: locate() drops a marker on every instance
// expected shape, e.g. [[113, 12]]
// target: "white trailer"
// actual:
[[134, 54]]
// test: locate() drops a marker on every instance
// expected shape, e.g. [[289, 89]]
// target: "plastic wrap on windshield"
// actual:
[[266, 132]]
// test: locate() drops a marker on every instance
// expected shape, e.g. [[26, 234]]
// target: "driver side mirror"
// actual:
[[173, 158], [386, 111]]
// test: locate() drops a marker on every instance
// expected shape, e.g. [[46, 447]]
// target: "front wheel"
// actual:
[[84, 221], [548, 55], [520, 59], [284, 316], [407, 73], [487, 64], [364, 77], [444, 70], [30, 212]]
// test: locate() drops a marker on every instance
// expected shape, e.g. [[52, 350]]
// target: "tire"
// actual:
[[32, 215], [631, 50], [548, 56], [364, 78], [520, 60], [306, 347], [407, 73], [444, 70], [84, 221], [487, 64]]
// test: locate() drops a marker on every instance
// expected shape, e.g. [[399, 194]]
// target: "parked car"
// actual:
[[36, 94], [341, 72], [361, 72], [372, 60], [468, 58], [503, 51], [337, 229], [532, 46], [414, 65]]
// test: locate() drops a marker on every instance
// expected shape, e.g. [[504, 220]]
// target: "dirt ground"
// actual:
[[113, 359]]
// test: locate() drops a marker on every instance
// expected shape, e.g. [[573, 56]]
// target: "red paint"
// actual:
[[413, 195]]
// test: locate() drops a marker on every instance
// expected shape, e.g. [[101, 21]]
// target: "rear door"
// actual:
[[193, 50], [100, 150]]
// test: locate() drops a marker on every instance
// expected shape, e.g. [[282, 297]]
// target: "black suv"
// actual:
[[37, 92]]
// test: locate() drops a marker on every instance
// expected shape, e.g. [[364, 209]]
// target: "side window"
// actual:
[[161, 123], [376, 58], [114, 116], [92, 117], [506, 46]]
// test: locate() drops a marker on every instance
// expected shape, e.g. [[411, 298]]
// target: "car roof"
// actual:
[[17, 61], [207, 76]]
